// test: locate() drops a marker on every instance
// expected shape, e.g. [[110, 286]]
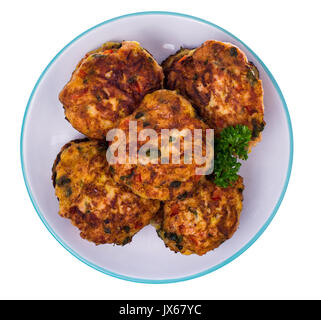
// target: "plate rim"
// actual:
[[226, 261]]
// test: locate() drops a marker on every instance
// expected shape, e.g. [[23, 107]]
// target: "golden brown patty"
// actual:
[[220, 83], [108, 84], [103, 211], [162, 109], [201, 223]]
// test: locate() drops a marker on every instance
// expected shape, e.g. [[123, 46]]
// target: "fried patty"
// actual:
[[163, 109], [201, 223], [103, 211], [108, 84], [221, 83]]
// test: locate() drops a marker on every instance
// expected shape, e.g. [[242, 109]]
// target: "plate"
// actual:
[[44, 131]]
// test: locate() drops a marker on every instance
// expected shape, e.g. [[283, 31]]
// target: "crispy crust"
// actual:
[[103, 211], [108, 84], [221, 83], [201, 223], [163, 109]]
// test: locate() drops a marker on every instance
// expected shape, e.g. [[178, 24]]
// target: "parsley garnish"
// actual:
[[232, 144]]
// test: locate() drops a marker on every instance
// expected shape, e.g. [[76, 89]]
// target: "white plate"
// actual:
[[45, 131]]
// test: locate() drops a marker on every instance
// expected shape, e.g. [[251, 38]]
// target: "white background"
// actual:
[[284, 263]]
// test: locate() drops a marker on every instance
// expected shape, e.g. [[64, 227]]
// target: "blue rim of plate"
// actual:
[[234, 256]]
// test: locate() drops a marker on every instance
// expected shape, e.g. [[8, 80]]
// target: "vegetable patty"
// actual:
[[201, 223], [108, 84], [221, 83], [103, 211], [163, 109]]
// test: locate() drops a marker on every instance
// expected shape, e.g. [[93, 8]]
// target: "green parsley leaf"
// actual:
[[232, 144]]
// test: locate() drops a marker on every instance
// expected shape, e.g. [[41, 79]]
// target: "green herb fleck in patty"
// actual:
[[139, 115], [175, 184], [62, 181], [233, 52]]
